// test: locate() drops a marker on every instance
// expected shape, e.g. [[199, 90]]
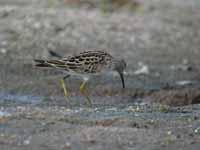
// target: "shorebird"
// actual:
[[85, 65]]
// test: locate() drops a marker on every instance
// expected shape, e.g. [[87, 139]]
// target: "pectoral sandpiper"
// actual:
[[85, 65]]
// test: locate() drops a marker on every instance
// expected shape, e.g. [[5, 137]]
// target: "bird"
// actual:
[[85, 64]]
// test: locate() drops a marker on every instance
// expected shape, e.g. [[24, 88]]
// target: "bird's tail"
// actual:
[[50, 63], [42, 63]]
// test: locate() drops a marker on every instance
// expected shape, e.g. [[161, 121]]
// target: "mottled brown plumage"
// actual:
[[89, 62], [86, 64]]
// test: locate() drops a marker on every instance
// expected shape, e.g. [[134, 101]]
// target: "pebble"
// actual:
[[67, 146], [26, 142], [3, 51], [144, 69], [197, 130], [169, 132]]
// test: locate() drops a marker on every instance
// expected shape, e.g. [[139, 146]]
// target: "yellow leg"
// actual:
[[62, 81], [82, 91]]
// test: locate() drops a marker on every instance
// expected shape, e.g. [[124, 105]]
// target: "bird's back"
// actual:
[[88, 62]]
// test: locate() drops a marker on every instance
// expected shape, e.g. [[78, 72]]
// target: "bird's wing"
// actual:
[[85, 62], [89, 62]]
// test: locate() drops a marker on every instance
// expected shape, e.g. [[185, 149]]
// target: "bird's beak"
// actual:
[[122, 78]]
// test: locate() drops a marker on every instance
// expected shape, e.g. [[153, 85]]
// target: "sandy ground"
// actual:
[[159, 108]]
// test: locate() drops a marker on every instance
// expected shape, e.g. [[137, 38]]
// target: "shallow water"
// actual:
[[99, 109], [23, 99]]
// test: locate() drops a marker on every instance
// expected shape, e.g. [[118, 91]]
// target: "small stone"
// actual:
[[144, 69], [26, 142], [197, 130], [152, 121], [3, 51], [169, 132], [67, 146]]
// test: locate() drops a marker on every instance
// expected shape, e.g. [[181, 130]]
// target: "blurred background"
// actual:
[[159, 39]]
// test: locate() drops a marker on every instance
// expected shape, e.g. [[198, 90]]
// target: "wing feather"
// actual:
[[85, 62]]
